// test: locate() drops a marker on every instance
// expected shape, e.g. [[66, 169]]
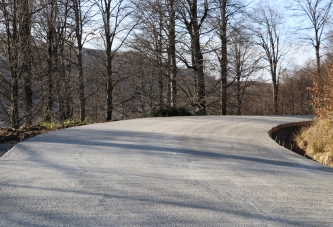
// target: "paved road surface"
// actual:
[[181, 171]]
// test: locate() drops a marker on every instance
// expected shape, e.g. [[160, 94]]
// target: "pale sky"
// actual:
[[301, 51]]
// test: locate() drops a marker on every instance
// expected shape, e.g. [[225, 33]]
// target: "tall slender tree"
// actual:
[[26, 45], [318, 13], [63, 83], [116, 29], [224, 12], [189, 11], [243, 63], [51, 13], [172, 91], [10, 13], [268, 34], [16, 21], [81, 18]]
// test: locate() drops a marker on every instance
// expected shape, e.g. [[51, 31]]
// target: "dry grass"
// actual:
[[317, 141]]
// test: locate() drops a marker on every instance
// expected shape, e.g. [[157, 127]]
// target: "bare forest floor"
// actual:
[[10, 137]]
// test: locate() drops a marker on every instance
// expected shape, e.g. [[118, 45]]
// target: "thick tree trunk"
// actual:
[[239, 92], [224, 82], [14, 111], [25, 34], [201, 95], [160, 88], [108, 50], [12, 40], [197, 61], [160, 63], [14, 120], [275, 93], [224, 57], [68, 97], [61, 84], [317, 47], [28, 96], [79, 33], [172, 55], [109, 84], [275, 98], [81, 86], [50, 40]]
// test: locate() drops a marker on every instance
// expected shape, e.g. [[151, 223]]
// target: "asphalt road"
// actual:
[[181, 171]]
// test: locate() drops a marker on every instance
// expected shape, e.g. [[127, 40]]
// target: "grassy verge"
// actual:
[[317, 141]]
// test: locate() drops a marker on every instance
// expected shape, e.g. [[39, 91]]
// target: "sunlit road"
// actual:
[[181, 171]]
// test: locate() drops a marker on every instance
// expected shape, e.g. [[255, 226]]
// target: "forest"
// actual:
[[103, 60]]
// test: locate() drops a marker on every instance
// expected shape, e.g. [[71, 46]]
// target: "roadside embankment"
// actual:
[[285, 135], [317, 141], [304, 138]]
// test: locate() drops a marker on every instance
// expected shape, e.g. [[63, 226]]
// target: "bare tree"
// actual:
[[16, 21], [82, 16], [224, 12], [157, 35], [172, 97], [10, 14], [295, 97], [243, 63], [26, 45], [51, 15], [53, 36], [318, 12], [150, 40], [267, 28], [190, 11], [115, 31], [63, 83]]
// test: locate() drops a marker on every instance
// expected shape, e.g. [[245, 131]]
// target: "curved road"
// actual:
[[181, 171]]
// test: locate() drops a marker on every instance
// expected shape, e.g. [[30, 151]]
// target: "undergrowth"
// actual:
[[168, 112], [317, 140], [65, 124]]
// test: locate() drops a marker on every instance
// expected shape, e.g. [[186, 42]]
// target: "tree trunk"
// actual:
[[197, 61], [50, 39], [275, 94], [224, 57], [160, 63], [172, 54], [239, 92], [201, 95], [79, 33], [12, 40], [27, 57], [81, 86], [317, 47], [14, 121], [114, 14], [109, 83]]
